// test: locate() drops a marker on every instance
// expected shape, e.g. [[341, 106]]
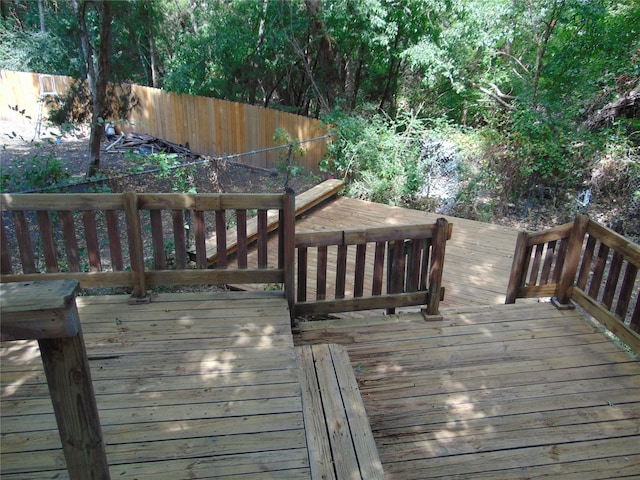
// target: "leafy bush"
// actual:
[[42, 172], [378, 156]]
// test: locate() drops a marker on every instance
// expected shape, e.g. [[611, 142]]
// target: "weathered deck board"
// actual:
[[477, 261], [518, 391], [189, 386]]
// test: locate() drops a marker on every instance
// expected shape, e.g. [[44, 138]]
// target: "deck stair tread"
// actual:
[[339, 437]]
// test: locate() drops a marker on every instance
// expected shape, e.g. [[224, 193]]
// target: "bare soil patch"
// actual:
[[21, 150]]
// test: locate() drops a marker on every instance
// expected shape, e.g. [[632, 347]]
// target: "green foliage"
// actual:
[[289, 158], [167, 165], [378, 155], [76, 106], [41, 172]]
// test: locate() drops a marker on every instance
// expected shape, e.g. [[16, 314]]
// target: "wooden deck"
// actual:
[[501, 392], [478, 256], [193, 385]]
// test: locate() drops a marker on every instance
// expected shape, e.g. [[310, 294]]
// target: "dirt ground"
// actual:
[[19, 148]]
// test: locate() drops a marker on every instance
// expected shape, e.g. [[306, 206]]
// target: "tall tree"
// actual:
[[97, 60]]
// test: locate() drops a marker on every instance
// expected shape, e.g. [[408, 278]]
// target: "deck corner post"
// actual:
[[136, 250], [572, 259], [437, 266], [287, 244], [519, 267]]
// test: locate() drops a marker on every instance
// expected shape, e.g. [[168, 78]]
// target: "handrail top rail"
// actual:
[[549, 235], [366, 235], [145, 201], [629, 250]]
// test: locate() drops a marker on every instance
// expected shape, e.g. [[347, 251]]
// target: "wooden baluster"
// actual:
[[548, 261], [361, 257], [612, 279], [341, 271], [5, 254], [560, 257], [587, 260], [91, 238], [626, 290], [535, 265], [179, 239], [424, 266], [48, 242], [414, 257], [221, 238], [378, 269], [157, 241], [302, 274], [25, 247], [115, 245], [200, 240], [598, 270], [241, 237], [70, 240], [321, 282], [263, 238]]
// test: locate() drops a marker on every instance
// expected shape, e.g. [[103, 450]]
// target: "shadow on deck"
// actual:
[[203, 385]]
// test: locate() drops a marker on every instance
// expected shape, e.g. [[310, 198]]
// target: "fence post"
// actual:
[[288, 245], [519, 268], [574, 251], [437, 266], [136, 249]]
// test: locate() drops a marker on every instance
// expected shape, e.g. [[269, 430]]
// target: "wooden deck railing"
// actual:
[[141, 240], [587, 263], [404, 264], [82, 236]]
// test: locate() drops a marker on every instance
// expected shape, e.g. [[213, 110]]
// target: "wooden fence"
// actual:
[[210, 126], [587, 263]]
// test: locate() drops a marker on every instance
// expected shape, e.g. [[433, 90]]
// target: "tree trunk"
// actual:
[[97, 70], [43, 25]]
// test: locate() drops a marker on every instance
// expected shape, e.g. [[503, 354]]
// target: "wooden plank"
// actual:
[[136, 247], [179, 238], [157, 240], [23, 237], [199, 230], [304, 202], [241, 231], [48, 243], [91, 240], [5, 255], [361, 436], [221, 239], [339, 431], [115, 246], [320, 456], [218, 386]]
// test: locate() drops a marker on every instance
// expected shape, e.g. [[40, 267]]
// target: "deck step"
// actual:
[[339, 437]]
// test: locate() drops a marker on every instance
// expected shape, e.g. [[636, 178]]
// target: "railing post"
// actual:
[[437, 266], [287, 242], [574, 251], [136, 249], [518, 268], [47, 311]]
